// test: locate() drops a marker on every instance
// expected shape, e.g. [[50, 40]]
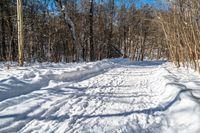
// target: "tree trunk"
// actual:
[[71, 27], [92, 58], [20, 32], [3, 41], [112, 2]]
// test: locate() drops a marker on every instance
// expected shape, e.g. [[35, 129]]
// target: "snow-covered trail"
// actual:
[[112, 96]]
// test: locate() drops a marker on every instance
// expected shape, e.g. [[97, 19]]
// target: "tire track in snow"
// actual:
[[55, 109], [86, 105], [143, 84], [114, 80]]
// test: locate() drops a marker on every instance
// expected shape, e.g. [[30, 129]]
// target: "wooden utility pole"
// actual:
[[20, 32]]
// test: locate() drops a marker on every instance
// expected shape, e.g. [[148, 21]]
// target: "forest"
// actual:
[[89, 30], [99, 66]]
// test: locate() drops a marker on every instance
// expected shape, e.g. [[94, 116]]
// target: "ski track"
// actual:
[[124, 98]]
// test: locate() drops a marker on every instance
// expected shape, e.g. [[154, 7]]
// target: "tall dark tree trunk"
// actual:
[[3, 41], [92, 56], [12, 49], [142, 52], [124, 42], [110, 34]]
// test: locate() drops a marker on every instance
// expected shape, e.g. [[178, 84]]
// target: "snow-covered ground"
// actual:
[[114, 95]]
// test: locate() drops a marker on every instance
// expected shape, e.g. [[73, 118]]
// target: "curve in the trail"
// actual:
[[112, 97], [134, 81]]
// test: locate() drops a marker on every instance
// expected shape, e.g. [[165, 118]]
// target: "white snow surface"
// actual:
[[113, 95]]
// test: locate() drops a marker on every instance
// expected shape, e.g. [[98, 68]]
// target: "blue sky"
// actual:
[[139, 3]]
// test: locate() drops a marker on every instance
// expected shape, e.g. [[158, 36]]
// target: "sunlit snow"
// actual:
[[115, 95]]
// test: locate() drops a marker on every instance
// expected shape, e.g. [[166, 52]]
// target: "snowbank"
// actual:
[[115, 95], [22, 80]]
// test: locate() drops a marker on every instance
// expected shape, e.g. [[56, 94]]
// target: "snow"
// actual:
[[113, 95]]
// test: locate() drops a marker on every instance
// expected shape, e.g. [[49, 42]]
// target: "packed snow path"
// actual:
[[108, 96]]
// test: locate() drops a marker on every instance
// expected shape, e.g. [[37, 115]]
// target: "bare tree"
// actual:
[[71, 27], [92, 55]]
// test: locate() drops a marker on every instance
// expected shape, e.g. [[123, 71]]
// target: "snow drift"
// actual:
[[115, 95]]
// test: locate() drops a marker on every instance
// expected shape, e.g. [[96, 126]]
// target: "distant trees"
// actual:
[[7, 31], [89, 30], [70, 30], [139, 35], [68, 21], [181, 26]]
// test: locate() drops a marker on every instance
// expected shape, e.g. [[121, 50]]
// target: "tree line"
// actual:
[[181, 26], [89, 30]]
